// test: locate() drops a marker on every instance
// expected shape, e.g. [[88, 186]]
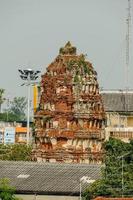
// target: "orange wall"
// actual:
[[21, 129]]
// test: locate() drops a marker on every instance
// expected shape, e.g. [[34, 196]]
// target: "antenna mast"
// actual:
[[128, 22]]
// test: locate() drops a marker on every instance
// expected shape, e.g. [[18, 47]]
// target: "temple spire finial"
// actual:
[[68, 49]]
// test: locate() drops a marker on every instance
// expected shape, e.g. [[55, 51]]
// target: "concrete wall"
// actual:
[[119, 126], [130, 121], [46, 197], [116, 120]]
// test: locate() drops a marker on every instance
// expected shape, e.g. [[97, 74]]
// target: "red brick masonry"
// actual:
[[69, 124]]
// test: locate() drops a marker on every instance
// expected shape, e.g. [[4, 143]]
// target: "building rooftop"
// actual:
[[47, 178], [117, 101]]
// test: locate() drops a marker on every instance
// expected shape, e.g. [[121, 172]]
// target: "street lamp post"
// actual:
[[122, 171], [84, 179], [29, 76], [80, 190]]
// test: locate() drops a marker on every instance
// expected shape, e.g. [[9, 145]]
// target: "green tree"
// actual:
[[20, 152], [8, 116], [16, 112], [2, 99], [15, 152], [7, 191], [17, 108], [117, 176]]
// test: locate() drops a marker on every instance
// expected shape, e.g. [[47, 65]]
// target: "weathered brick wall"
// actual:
[[70, 120]]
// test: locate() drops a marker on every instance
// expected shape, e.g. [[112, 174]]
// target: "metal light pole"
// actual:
[[28, 110], [80, 190], [122, 171], [122, 180], [29, 76], [84, 179]]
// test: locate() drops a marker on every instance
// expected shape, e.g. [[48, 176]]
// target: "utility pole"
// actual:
[[128, 23]]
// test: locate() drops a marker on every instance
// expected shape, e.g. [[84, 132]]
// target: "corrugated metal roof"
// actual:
[[118, 102], [47, 178]]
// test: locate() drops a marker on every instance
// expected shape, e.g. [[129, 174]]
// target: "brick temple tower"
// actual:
[[69, 123]]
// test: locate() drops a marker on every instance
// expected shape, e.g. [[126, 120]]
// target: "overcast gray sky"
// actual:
[[32, 31]]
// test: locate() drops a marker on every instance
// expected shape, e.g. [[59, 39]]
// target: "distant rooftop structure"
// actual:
[[47, 178], [116, 91], [117, 100]]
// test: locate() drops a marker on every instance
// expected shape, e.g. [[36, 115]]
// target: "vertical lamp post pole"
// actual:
[[28, 110], [122, 172], [84, 179], [80, 190], [28, 75], [122, 181]]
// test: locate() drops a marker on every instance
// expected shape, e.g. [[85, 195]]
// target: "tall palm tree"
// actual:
[[2, 99]]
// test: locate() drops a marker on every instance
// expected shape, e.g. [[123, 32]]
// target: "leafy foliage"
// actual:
[[16, 112], [15, 152], [80, 66], [18, 106], [2, 99], [8, 116], [6, 191], [117, 176]]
